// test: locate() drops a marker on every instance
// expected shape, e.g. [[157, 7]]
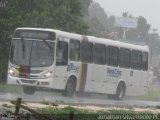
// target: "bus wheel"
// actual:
[[70, 88], [109, 96], [120, 91], [29, 90]]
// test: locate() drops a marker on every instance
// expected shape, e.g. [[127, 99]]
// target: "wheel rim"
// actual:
[[120, 92]]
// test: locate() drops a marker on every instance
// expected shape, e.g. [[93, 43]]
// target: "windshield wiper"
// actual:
[[50, 46]]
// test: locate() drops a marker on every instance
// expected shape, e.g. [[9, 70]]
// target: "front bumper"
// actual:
[[47, 83]]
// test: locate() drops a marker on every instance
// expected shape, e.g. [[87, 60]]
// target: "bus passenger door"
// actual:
[[60, 73]]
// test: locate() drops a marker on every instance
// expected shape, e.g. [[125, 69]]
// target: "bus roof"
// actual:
[[92, 39]]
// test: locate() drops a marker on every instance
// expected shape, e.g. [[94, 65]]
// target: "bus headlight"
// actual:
[[46, 74], [12, 72]]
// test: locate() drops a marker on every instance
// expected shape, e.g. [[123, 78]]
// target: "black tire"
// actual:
[[70, 88], [110, 96], [120, 93], [29, 90]]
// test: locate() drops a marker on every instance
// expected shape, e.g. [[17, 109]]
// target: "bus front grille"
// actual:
[[28, 81]]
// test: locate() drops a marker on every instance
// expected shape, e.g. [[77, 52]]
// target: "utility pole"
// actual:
[[154, 30], [152, 40]]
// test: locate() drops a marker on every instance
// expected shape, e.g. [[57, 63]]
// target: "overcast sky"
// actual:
[[150, 9]]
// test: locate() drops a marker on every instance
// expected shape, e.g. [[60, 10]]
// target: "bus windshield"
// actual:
[[33, 53]]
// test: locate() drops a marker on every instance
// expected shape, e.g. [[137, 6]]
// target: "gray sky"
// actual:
[[150, 9]]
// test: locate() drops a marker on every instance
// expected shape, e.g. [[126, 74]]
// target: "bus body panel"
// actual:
[[60, 77], [73, 70]]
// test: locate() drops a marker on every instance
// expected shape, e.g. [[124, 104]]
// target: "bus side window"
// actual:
[[62, 53], [74, 50], [124, 58], [86, 52], [145, 61], [136, 60], [112, 55], [99, 54]]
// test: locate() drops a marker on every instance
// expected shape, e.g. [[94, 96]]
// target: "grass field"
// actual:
[[151, 95], [79, 114], [4, 88]]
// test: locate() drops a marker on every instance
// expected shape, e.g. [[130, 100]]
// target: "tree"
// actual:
[[58, 14], [96, 11], [96, 28], [97, 20], [142, 28], [141, 32], [85, 4]]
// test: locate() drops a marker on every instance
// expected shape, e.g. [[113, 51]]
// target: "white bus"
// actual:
[[53, 59]]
